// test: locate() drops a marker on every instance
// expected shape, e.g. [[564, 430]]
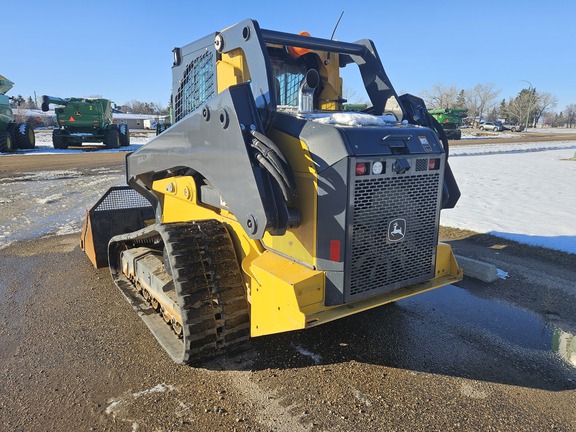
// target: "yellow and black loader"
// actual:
[[268, 205]]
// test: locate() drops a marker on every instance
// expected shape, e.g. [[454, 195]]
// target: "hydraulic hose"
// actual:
[[274, 161], [279, 179]]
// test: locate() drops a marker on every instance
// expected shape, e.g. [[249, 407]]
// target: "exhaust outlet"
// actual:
[[306, 91]]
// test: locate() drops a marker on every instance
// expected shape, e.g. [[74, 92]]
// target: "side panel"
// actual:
[[210, 142], [298, 243]]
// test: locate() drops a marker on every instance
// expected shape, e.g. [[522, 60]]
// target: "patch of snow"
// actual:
[[72, 228], [43, 176], [116, 404], [486, 149], [469, 135], [472, 392], [49, 199], [113, 407], [315, 357], [160, 388], [552, 130], [44, 145], [352, 119], [362, 397], [526, 195], [50, 202]]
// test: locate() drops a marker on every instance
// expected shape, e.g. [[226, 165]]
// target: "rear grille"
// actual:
[[121, 198], [376, 264]]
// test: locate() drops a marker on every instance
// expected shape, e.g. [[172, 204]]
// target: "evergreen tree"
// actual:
[[503, 110], [461, 100]]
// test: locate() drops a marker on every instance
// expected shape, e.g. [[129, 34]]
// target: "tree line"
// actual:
[[529, 107]]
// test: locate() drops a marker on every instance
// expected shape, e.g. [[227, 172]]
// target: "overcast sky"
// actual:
[[122, 50]]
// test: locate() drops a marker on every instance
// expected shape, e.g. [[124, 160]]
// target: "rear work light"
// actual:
[[377, 168]]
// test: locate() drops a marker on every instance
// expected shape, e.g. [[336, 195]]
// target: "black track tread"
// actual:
[[208, 283]]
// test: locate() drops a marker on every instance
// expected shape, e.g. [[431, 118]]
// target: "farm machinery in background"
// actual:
[[12, 135], [450, 119], [267, 207], [82, 120]]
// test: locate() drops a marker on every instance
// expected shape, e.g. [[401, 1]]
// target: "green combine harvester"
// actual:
[[83, 120], [12, 135], [450, 119]]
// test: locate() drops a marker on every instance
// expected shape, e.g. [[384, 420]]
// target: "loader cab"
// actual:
[[291, 69], [275, 64]]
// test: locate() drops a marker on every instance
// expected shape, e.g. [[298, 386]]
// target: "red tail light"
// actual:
[[335, 250], [434, 164], [362, 168]]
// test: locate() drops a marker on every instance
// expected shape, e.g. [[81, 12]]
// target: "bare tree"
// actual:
[[570, 115], [521, 108], [351, 95], [517, 108], [544, 103], [440, 96], [140, 107], [481, 99]]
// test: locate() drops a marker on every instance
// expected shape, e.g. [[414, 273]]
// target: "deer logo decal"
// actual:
[[396, 230]]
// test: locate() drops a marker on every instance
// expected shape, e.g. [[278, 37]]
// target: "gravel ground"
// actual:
[[476, 356], [76, 357]]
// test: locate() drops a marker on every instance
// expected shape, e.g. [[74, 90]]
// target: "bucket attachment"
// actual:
[[120, 210]]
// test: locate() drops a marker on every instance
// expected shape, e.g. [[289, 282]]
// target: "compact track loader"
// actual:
[[266, 207]]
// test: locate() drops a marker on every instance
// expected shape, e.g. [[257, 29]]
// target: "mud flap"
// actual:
[[120, 210]]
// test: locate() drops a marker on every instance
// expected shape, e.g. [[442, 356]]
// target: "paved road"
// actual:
[[469, 357]]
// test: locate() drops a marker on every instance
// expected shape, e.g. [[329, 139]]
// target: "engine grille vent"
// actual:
[[196, 86], [377, 264]]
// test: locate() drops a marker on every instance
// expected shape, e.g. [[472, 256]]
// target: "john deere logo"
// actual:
[[396, 230]]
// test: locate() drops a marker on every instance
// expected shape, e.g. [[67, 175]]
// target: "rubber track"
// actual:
[[208, 284]]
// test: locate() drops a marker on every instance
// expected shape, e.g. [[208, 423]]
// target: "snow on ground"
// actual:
[[521, 192], [41, 203], [474, 134], [44, 144], [553, 130]]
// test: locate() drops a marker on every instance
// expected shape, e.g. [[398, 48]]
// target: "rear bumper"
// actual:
[[286, 296]]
